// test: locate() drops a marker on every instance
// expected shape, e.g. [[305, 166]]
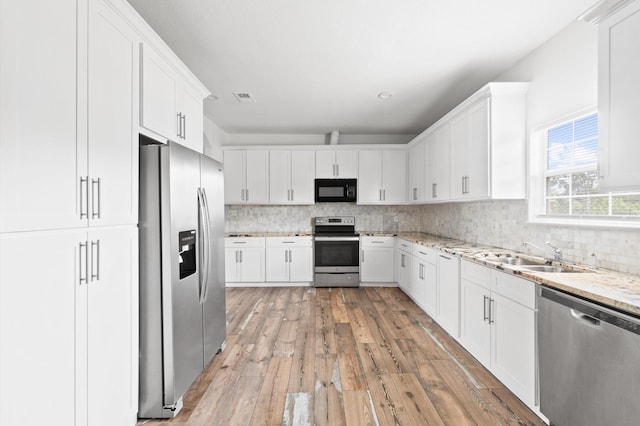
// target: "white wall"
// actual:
[[214, 139], [314, 139]]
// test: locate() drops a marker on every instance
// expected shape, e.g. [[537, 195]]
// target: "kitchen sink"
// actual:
[[546, 268], [515, 261]]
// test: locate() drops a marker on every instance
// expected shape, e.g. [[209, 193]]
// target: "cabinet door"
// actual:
[[234, 177], [477, 162], [41, 160], [619, 99], [40, 275], [279, 177], [394, 177], [347, 164], [403, 270], [425, 286], [277, 264], [252, 267], [112, 324], [231, 269], [112, 114], [441, 159], [190, 106], [417, 172], [370, 177], [301, 264], [475, 330], [257, 170], [377, 265], [449, 294], [303, 171], [325, 164], [513, 346], [159, 91], [458, 161]]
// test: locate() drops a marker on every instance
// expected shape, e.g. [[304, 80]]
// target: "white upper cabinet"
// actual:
[[619, 99], [418, 172], [171, 107], [438, 164], [382, 177], [113, 78], [246, 177], [291, 177], [39, 167], [339, 164]]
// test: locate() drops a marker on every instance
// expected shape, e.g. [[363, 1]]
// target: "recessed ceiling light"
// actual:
[[244, 97], [212, 97], [385, 95]]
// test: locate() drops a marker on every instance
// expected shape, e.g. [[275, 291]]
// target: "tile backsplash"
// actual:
[[298, 218], [496, 223]]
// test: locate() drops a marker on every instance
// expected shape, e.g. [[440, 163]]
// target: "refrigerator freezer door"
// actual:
[[182, 315], [214, 306]]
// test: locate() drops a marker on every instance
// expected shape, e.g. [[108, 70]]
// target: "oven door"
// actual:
[[337, 254]]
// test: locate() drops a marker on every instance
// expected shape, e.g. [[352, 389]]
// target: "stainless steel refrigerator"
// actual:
[[182, 294]]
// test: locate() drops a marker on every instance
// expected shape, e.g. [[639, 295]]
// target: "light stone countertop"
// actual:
[[621, 291]]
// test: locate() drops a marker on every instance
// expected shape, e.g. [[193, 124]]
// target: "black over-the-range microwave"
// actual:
[[335, 190]]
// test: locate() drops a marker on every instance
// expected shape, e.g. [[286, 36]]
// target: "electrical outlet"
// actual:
[[395, 219]]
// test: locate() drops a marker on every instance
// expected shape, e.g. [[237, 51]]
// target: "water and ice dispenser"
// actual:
[[187, 253]]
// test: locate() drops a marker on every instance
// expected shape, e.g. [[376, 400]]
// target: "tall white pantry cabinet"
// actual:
[[69, 91]]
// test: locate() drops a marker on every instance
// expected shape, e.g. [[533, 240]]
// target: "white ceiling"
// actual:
[[314, 66]]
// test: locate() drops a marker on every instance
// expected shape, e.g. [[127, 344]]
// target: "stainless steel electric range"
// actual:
[[336, 252]]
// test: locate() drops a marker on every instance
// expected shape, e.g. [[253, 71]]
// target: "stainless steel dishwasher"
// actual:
[[589, 362]]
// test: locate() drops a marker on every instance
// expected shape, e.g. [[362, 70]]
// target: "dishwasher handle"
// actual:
[[587, 319]]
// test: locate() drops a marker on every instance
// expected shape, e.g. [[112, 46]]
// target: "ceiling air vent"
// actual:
[[244, 97]]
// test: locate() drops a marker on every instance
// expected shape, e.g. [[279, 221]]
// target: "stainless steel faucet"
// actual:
[[557, 253]]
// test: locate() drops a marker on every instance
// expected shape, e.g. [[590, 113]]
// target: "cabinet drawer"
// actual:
[[378, 242], [425, 253], [404, 245], [517, 289], [240, 242], [475, 273], [289, 241]]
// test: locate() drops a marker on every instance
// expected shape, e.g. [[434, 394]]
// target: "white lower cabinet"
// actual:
[[424, 279], [449, 293], [244, 259], [403, 268], [68, 311], [498, 312], [289, 259], [376, 261]]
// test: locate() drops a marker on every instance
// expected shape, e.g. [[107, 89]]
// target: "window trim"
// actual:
[[537, 177]]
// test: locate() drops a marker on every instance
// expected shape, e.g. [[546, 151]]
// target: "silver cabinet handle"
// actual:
[[484, 308], [491, 319], [83, 248], [240, 256], [379, 194], [95, 260], [288, 195], [95, 195], [290, 256], [463, 191], [334, 170], [292, 198], [246, 192], [242, 194], [286, 256], [434, 190], [184, 126], [466, 184], [415, 194], [402, 260], [337, 169], [84, 201], [445, 257], [362, 256], [384, 195]]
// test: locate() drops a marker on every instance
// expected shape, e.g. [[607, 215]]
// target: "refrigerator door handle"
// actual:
[[204, 248], [207, 243]]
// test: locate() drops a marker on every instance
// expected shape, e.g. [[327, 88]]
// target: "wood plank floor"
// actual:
[[352, 356]]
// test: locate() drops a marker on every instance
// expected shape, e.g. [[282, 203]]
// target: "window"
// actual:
[[570, 175]]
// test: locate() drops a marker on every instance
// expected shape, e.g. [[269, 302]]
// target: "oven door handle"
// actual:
[[336, 238]]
